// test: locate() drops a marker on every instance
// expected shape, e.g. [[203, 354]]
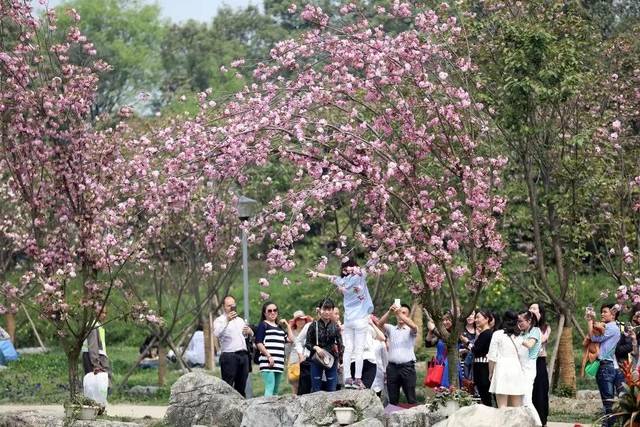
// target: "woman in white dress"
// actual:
[[531, 342], [505, 370]]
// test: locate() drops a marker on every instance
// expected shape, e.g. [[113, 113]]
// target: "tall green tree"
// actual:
[[127, 34], [535, 64], [196, 56]]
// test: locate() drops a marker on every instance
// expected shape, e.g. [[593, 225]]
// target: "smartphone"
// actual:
[[396, 302], [233, 308]]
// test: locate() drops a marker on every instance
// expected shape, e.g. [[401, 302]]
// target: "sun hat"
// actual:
[[299, 314]]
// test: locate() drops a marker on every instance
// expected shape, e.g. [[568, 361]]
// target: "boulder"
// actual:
[[417, 416], [484, 416], [201, 398], [314, 409], [368, 422]]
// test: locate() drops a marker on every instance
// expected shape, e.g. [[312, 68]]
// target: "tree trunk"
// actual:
[[162, 364], [416, 316], [453, 359], [208, 347], [554, 354], [566, 361], [11, 326], [73, 357]]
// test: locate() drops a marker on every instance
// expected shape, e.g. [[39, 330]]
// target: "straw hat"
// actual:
[[299, 314]]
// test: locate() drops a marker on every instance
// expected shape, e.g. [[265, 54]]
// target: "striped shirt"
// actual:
[[274, 339]]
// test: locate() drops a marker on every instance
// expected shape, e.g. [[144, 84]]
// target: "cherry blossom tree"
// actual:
[[385, 121], [92, 196]]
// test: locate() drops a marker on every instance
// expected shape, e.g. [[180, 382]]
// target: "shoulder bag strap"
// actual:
[[517, 353], [317, 334]]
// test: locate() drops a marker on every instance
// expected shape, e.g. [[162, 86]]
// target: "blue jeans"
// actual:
[[606, 380], [316, 376]]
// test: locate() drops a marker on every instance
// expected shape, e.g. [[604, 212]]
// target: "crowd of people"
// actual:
[[503, 357]]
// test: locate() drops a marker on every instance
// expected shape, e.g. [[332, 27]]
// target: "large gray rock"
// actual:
[[417, 416], [314, 409], [368, 422], [484, 416], [201, 398]]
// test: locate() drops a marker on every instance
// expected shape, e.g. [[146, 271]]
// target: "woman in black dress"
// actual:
[[480, 349]]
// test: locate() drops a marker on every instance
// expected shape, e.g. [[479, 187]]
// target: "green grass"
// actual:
[[42, 378]]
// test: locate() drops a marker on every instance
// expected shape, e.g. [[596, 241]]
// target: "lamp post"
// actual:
[[246, 207]]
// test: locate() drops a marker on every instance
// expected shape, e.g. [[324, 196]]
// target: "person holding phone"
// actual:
[[401, 368], [231, 330]]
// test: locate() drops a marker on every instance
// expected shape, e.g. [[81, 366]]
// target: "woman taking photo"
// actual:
[[271, 340], [531, 338], [540, 395], [479, 350], [433, 338], [505, 370]]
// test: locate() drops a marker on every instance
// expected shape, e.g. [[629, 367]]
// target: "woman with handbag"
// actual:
[[434, 338], [505, 370], [480, 362], [324, 344], [293, 367], [270, 341]]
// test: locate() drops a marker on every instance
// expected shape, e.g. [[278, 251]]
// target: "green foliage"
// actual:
[[127, 35]]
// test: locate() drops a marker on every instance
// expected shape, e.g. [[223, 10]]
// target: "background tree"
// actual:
[[126, 34], [383, 121]]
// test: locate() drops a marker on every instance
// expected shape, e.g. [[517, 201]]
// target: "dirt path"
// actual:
[[118, 410]]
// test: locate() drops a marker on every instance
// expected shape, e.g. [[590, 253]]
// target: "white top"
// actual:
[[301, 340], [380, 350], [230, 334], [195, 350], [402, 341], [508, 373]]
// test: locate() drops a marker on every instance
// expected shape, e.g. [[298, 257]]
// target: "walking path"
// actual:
[[118, 410], [138, 411]]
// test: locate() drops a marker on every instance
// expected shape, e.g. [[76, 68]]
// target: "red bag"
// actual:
[[435, 371]]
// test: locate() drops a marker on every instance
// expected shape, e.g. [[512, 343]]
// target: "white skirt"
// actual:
[[508, 377]]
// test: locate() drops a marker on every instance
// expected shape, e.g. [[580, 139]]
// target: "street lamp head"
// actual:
[[246, 207]]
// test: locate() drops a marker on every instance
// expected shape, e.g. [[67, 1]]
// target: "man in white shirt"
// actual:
[[401, 370], [231, 331]]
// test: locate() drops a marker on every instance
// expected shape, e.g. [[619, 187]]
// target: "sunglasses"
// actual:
[[272, 310]]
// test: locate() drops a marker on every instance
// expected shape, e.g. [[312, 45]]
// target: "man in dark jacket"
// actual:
[[323, 337]]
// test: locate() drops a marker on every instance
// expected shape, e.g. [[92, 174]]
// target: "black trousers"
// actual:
[[304, 383], [401, 375], [540, 396], [482, 382], [368, 372], [234, 369]]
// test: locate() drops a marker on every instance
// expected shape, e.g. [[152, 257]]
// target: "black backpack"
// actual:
[[624, 346]]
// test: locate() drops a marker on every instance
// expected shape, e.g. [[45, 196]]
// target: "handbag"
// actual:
[[435, 371], [591, 369], [326, 360], [293, 372]]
